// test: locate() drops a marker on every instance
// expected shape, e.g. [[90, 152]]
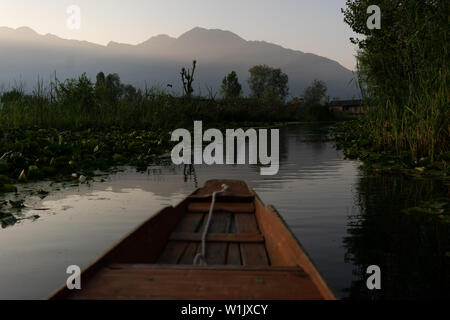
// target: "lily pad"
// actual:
[[7, 220], [17, 204]]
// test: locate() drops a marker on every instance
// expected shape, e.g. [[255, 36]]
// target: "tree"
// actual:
[[76, 92], [411, 48], [187, 77], [231, 88], [100, 80], [315, 93], [129, 92], [404, 71], [264, 78], [113, 85], [108, 89]]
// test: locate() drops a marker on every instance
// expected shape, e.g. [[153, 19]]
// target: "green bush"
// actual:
[[403, 70]]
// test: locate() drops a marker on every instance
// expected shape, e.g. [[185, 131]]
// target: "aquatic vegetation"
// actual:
[[50, 153], [357, 143], [404, 76], [41, 193], [71, 128], [7, 219], [439, 207], [17, 204]]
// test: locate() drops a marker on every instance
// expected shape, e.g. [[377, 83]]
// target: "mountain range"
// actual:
[[26, 55]]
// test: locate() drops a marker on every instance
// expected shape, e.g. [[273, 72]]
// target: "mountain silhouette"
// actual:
[[26, 56]]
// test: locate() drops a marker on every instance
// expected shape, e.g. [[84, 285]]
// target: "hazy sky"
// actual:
[[314, 26]]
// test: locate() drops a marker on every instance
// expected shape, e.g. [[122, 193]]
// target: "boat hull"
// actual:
[[250, 253]]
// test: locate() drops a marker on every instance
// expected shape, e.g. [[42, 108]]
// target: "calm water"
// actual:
[[344, 219]]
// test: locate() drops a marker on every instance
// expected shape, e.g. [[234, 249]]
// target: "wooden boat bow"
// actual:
[[250, 252]]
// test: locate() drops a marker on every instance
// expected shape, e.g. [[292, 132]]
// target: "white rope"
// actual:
[[201, 256]]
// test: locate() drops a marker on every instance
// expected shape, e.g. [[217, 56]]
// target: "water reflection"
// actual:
[[346, 221], [190, 174], [410, 249]]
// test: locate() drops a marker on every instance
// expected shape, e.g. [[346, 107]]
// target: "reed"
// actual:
[[403, 69]]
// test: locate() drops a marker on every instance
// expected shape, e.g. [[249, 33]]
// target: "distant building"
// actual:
[[349, 106]]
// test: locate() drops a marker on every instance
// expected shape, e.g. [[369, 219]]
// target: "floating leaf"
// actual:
[[17, 204]]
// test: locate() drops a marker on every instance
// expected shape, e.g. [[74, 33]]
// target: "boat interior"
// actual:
[[250, 254]]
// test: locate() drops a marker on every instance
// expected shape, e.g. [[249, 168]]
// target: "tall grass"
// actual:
[[79, 103], [403, 68], [420, 125]]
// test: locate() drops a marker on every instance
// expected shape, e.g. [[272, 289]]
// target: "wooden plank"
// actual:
[[216, 252], [172, 252], [190, 222], [193, 284], [189, 254], [234, 187], [283, 248], [181, 251], [201, 267], [220, 223], [234, 255], [246, 223], [251, 254], [146, 242], [227, 197], [216, 237], [203, 207], [254, 254]]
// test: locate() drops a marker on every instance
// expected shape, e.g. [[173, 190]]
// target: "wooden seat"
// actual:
[[128, 282], [233, 237]]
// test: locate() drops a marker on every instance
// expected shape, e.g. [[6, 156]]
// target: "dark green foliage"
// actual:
[[78, 104], [12, 96], [403, 69], [231, 88], [78, 126], [109, 89], [357, 143], [268, 83], [315, 93], [100, 83], [54, 153]]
